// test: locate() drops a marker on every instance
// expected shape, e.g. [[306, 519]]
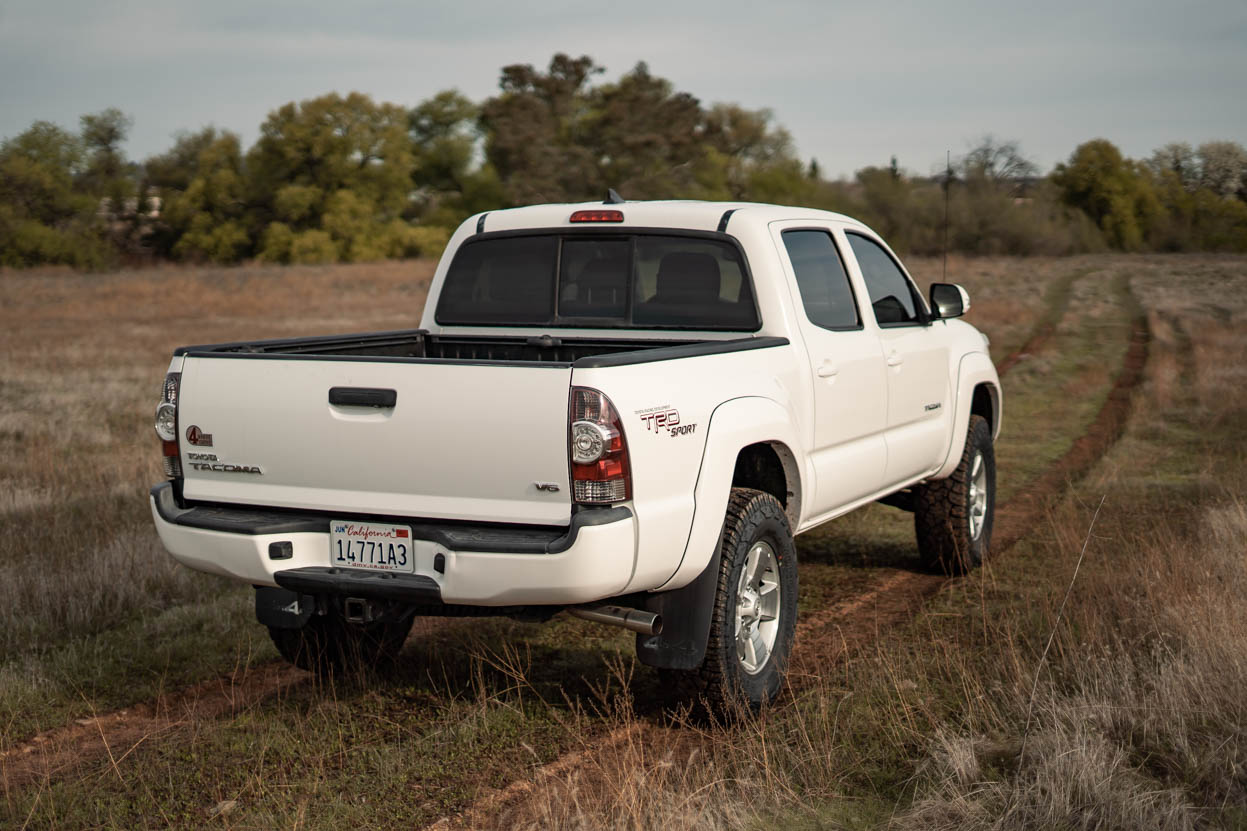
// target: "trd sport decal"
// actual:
[[665, 419]]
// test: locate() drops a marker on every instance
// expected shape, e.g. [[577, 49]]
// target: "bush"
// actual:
[[313, 248]]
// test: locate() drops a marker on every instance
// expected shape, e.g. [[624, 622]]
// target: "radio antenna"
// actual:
[[948, 183]]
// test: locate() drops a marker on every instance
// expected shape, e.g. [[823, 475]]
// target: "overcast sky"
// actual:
[[854, 83]]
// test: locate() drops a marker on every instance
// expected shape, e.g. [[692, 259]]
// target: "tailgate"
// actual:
[[462, 441]]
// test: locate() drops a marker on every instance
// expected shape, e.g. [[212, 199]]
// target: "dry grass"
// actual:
[[81, 359], [1138, 719]]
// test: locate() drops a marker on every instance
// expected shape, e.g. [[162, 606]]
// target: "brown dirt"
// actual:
[[823, 639], [1033, 344], [1028, 506], [828, 636], [115, 735]]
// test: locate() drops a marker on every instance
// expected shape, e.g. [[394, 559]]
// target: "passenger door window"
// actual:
[[824, 286], [893, 297]]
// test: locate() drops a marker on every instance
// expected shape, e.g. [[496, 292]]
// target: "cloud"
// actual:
[[853, 83]]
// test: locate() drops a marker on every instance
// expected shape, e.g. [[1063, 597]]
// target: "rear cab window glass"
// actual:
[[824, 286], [509, 282], [893, 297], [636, 281]]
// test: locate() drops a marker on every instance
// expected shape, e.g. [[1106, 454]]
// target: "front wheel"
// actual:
[[953, 516], [755, 610]]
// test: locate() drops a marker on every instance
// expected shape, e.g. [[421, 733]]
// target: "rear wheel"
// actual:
[[953, 517], [328, 644], [755, 610]]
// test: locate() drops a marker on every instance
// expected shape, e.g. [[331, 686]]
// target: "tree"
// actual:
[[207, 220], [1223, 168], [37, 171], [752, 158], [44, 216], [1110, 190], [997, 163], [1177, 158], [444, 140], [644, 136], [174, 169], [332, 155], [107, 175], [445, 133], [535, 132]]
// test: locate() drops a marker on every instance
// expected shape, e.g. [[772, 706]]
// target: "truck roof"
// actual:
[[692, 215]]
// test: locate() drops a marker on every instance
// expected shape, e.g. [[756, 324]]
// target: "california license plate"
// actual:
[[371, 545]]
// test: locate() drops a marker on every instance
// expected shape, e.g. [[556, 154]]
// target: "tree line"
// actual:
[[346, 178]]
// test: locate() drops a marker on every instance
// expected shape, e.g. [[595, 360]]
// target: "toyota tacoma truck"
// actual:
[[622, 410]]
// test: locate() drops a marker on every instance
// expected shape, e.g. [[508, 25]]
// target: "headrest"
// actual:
[[606, 272], [688, 277]]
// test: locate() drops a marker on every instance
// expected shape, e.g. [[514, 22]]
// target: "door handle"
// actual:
[[362, 397], [895, 359], [827, 370]]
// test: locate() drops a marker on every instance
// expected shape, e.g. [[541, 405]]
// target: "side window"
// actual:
[[825, 291], [891, 294]]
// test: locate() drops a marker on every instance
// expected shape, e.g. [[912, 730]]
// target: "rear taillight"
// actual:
[[167, 425], [597, 449]]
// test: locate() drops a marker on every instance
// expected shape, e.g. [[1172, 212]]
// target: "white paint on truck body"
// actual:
[[471, 441], [464, 441]]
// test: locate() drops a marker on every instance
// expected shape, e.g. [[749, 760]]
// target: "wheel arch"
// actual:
[[985, 402], [761, 432], [978, 393], [771, 467]]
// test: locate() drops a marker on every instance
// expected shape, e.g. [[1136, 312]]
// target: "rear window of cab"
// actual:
[[601, 281]]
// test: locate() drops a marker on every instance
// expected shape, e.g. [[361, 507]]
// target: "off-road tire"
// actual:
[[942, 508], [328, 645], [721, 686]]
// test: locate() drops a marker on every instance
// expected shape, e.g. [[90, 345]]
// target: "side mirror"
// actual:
[[949, 300]]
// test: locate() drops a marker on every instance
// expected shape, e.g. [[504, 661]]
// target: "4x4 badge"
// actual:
[[198, 437]]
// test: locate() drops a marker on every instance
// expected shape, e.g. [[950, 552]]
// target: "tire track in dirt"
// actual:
[[113, 736], [1056, 303], [1026, 508], [833, 634], [896, 596], [824, 638]]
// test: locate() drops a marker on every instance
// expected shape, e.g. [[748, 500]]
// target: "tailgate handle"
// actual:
[[362, 397]]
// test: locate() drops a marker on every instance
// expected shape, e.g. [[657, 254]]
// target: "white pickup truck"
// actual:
[[624, 410]]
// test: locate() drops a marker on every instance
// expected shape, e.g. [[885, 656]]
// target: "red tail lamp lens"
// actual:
[[595, 435], [597, 216], [167, 425]]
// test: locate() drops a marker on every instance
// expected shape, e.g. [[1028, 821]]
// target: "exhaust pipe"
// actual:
[[646, 623]]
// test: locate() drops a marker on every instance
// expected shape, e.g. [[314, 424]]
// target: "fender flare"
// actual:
[[686, 600], [975, 369]]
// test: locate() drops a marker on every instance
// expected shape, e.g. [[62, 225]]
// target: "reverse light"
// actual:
[[590, 442], [167, 425], [597, 449], [597, 216], [167, 422]]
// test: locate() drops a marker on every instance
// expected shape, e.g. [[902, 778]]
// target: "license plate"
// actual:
[[371, 545]]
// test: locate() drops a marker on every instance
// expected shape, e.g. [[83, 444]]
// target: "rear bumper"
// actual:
[[481, 565]]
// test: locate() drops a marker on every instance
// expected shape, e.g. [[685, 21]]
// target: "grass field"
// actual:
[[1088, 676]]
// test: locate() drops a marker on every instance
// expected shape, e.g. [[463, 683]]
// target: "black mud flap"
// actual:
[[283, 609], [685, 622]]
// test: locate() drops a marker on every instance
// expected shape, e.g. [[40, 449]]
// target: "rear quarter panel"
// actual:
[[666, 410]]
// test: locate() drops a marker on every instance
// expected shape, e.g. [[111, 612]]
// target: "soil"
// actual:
[[823, 639]]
